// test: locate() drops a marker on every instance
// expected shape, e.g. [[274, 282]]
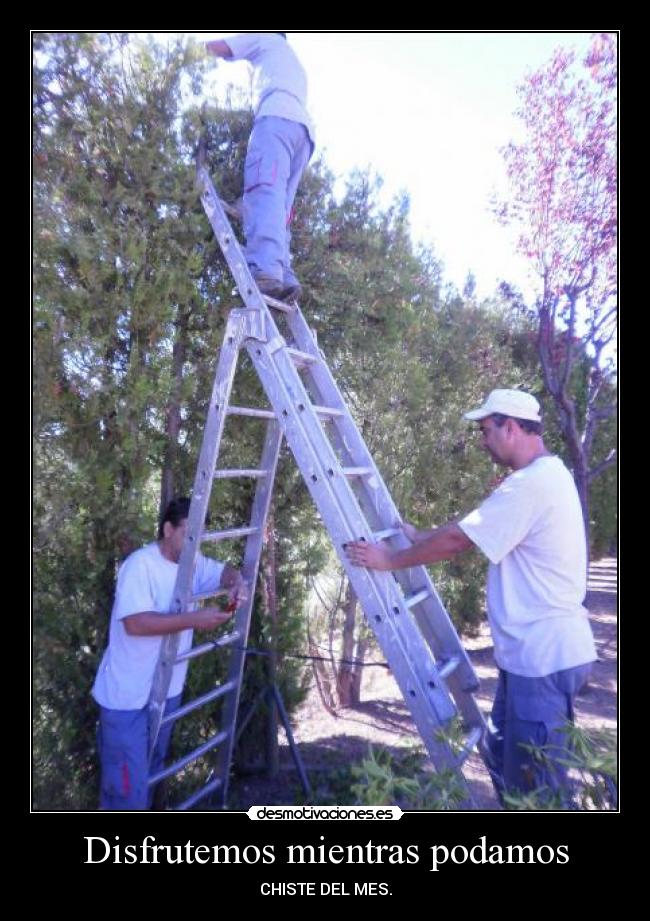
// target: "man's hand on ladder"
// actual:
[[239, 593], [210, 618], [372, 556]]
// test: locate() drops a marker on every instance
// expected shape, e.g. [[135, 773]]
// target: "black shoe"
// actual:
[[270, 286], [292, 292]]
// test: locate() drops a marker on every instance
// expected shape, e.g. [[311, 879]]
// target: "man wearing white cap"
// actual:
[[532, 531]]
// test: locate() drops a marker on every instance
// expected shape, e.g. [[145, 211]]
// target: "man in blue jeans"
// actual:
[[279, 148], [531, 529], [139, 620]]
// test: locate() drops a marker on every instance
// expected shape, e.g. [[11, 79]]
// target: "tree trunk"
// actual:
[[323, 681], [103, 549], [580, 464], [173, 424], [345, 677], [360, 656], [581, 477], [104, 525], [556, 380]]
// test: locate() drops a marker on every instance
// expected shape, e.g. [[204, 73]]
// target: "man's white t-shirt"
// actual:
[[279, 81], [532, 531], [145, 582]]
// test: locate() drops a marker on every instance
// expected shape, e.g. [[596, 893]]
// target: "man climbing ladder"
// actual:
[[280, 146]]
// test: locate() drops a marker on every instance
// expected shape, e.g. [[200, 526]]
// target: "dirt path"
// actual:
[[328, 742]]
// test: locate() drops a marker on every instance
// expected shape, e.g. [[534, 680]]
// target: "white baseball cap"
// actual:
[[514, 403]]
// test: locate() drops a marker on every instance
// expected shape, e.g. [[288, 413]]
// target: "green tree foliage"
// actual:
[[112, 261], [129, 311], [125, 331], [403, 778]]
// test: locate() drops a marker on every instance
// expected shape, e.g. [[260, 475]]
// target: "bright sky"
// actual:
[[428, 111]]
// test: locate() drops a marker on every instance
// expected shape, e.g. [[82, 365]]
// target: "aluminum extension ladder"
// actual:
[[403, 608]]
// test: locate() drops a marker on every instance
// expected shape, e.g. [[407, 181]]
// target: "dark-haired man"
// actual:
[[139, 620], [532, 531], [279, 148]]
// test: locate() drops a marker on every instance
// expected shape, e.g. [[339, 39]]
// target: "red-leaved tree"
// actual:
[[563, 200]]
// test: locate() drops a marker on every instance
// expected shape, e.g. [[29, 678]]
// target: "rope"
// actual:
[[249, 650]]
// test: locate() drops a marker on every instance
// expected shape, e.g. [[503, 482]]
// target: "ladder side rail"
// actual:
[[375, 499], [410, 659], [229, 244], [439, 632], [316, 437], [212, 434], [250, 568], [432, 617]]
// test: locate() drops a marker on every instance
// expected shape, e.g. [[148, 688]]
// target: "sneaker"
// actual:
[[238, 207], [292, 292], [269, 285], [235, 209]]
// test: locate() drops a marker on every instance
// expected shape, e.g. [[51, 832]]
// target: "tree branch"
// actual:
[[609, 460], [568, 361], [601, 322]]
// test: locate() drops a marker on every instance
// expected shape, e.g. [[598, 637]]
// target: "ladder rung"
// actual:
[[198, 702], [357, 471], [328, 411], [302, 357], [248, 411], [231, 474], [230, 209], [412, 600], [384, 535], [200, 794], [208, 647], [449, 666], [277, 305], [232, 534], [471, 742], [193, 755]]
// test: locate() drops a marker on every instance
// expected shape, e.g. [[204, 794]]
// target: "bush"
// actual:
[[385, 779]]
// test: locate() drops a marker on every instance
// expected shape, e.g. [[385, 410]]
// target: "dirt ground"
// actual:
[[327, 742]]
